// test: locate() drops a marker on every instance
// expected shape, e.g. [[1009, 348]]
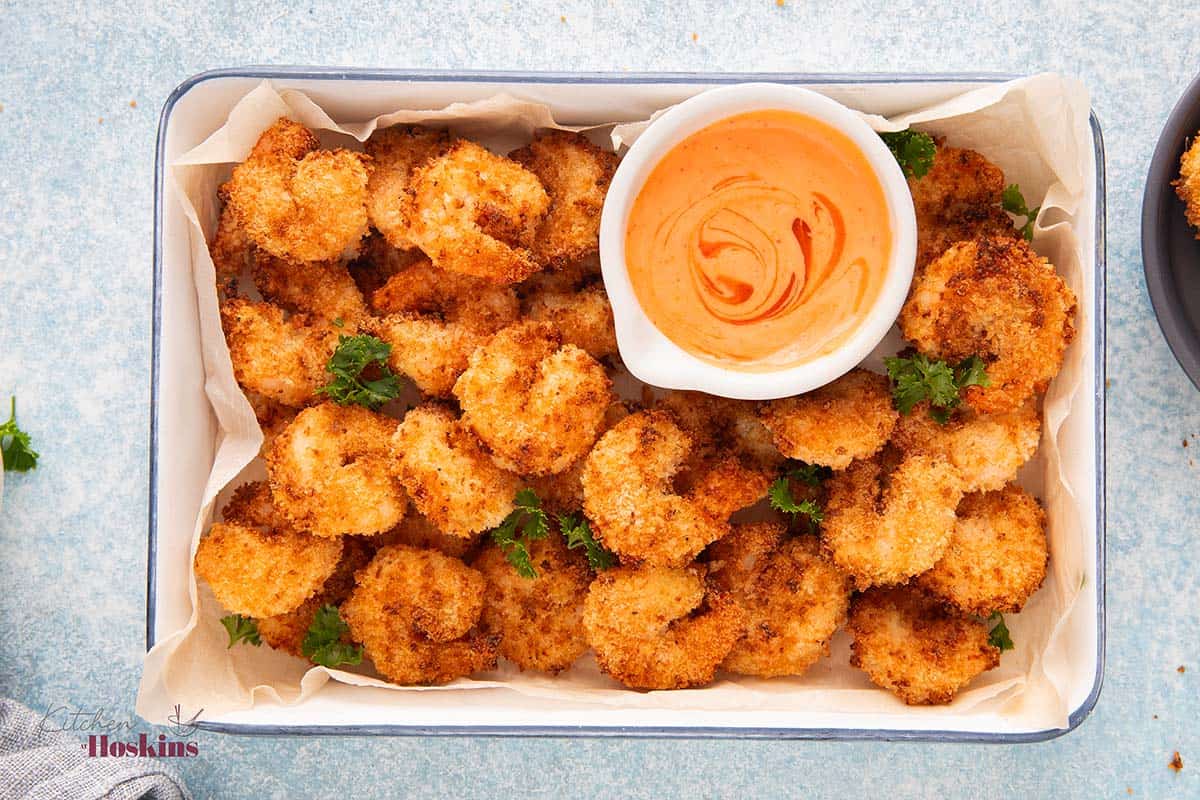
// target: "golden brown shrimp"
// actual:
[[997, 555], [583, 316], [999, 300], [886, 535], [539, 621], [576, 174], [1188, 184], [449, 476], [415, 613], [563, 493], [476, 213], [537, 404], [915, 647], [281, 358], [231, 250], [398, 151], [844, 420], [298, 202], [319, 289], [660, 628], [331, 471]]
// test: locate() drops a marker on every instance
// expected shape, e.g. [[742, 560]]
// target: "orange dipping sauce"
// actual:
[[759, 242]]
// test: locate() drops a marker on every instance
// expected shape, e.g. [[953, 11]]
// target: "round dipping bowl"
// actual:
[[655, 359]]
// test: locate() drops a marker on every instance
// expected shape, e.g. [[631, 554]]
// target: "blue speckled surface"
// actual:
[[75, 257]]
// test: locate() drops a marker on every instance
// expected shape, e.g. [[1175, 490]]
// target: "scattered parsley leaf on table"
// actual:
[[998, 634], [15, 451], [917, 378], [526, 523], [578, 533], [355, 355], [323, 643], [1014, 203], [241, 629], [914, 151]]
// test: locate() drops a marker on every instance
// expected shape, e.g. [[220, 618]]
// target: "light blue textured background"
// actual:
[[75, 270]]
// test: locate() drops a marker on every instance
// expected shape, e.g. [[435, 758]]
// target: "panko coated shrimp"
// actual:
[[539, 621], [319, 289], [257, 564], [397, 151], [576, 174], [885, 528], [231, 250], [331, 471], [997, 555], [449, 476], [835, 424], [563, 492], [416, 613], [536, 403], [583, 316], [997, 299], [476, 213], [298, 202], [660, 628], [916, 647], [279, 357]]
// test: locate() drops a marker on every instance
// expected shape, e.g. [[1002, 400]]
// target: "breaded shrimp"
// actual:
[[319, 289], [449, 476], [915, 647], [436, 319], [280, 358], [537, 404], [331, 471], [231, 250], [794, 598], [563, 493], [987, 449], [416, 531], [1188, 184], [397, 151], [660, 628], [576, 174], [258, 565], [415, 613], [997, 555], [997, 299], [539, 621], [844, 420], [298, 202], [886, 528], [584, 316], [378, 261], [476, 212]]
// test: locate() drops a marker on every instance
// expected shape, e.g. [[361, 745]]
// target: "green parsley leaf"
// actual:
[[916, 378], [812, 474], [1014, 203], [998, 635], [15, 451], [578, 533], [779, 495], [353, 356], [323, 643], [241, 629], [914, 151], [526, 523], [971, 372]]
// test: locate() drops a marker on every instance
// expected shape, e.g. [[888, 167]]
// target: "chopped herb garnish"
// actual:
[[914, 151], [241, 629], [578, 533], [781, 499], [525, 524], [323, 643], [998, 634], [354, 356], [15, 451], [917, 378], [1014, 203]]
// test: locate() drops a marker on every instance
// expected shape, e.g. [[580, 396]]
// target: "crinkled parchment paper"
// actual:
[[1035, 128]]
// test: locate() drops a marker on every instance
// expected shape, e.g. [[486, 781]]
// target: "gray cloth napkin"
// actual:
[[51, 765]]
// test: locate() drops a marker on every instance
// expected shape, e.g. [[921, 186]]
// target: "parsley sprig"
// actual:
[[1014, 203], [916, 378], [578, 533], [15, 451], [525, 524], [998, 634], [780, 496], [914, 151], [323, 643], [354, 356], [241, 629]]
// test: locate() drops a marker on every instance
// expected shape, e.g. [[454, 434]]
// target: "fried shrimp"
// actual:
[[298, 202], [476, 213], [449, 476], [997, 299], [539, 621], [794, 598], [256, 563], [844, 420], [536, 403], [997, 555], [583, 316], [435, 319], [660, 628], [563, 492], [885, 528], [231, 250], [915, 647], [397, 151], [281, 358], [576, 174], [319, 289], [1188, 184], [331, 471], [987, 449], [415, 613]]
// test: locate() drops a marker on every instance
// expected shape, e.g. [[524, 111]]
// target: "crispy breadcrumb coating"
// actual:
[[563, 493], [997, 554], [281, 358], [415, 613], [319, 289], [397, 151], [997, 299], [331, 471], [583, 316], [378, 261], [915, 647], [537, 404], [272, 417], [1188, 184], [231, 250], [660, 628], [449, 476], [416, 531]]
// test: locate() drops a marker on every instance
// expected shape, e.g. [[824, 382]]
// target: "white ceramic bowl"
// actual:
[[655, 359]]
